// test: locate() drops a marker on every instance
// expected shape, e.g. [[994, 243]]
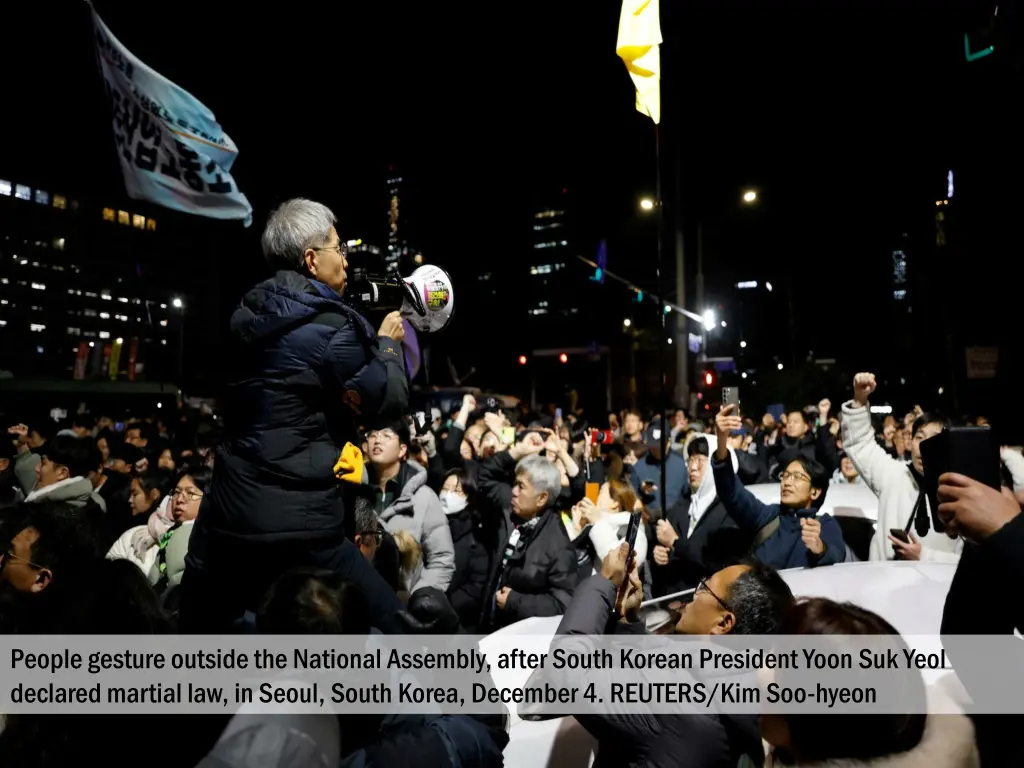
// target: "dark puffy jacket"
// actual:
[[306, 367], [466, 591]]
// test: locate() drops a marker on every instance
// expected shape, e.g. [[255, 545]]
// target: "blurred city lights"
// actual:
[[780, 366], [743, 345], [724, 324], [627, 322], [646, 204], [709, 320], [177, 303], [743, 375], [522, 359], [563, 357], [749, 196], [768, 286]]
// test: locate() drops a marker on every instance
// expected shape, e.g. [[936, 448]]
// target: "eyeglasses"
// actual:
[[796, 476], [703, 587], [697, 461], [381, 435], [193, 494], [378, 536], [341, 248]]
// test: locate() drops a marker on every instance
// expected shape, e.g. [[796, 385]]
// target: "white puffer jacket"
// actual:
[[891, 481]]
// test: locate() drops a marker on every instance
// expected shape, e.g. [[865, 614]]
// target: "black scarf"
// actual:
[[919, 517]]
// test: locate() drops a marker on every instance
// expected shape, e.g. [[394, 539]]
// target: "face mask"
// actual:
[[452, 503]]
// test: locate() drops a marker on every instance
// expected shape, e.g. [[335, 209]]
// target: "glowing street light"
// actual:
[[750, 196], [780, 366], [563, 358], [743, 345], [743, 375], [709, 320], [768, 286], [627, 322], [177, 303], [724, 324], [646, 204]]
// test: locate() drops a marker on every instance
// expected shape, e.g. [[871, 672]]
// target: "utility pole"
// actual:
[[682, 342]]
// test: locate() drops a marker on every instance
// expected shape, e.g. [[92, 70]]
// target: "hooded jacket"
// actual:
[[716, 539], [76, 491], [306, 367], [418, 511], [893, 483]]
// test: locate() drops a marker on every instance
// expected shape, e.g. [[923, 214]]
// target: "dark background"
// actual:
[[845, 115]]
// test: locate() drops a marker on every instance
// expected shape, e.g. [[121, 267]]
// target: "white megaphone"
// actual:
[[427, 298]]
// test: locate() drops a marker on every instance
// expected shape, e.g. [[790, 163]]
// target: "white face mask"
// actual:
[[453, 503]]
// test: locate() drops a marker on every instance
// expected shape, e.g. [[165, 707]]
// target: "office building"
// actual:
[[90, 290]]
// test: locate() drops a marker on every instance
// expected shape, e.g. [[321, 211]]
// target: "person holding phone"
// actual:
[[786, 535], [903, 505]]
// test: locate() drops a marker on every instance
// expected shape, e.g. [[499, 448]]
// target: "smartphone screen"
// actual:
[[593, 491], [899, 533]]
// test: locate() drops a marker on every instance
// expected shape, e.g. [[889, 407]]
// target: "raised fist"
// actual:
[[863, 385]]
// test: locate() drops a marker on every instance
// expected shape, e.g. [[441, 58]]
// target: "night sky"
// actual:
[[846, 115]]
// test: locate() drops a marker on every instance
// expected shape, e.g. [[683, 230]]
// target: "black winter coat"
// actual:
[[306, 367], [466, 592]]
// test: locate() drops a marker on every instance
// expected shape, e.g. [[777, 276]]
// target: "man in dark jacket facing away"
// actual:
[[746, 599], [306, 368], [786, 535], [534, 571]]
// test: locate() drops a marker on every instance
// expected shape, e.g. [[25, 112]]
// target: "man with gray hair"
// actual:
[[307, 370], [535, 569]]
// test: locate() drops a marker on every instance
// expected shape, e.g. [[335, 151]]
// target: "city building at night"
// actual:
[[91, 290]]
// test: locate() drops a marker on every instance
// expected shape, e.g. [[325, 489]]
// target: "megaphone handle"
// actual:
[[414, 299]]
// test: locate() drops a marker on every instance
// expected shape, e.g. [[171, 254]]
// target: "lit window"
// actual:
[[90, 335], [90, 295], [163, 323], [122, 318], [39, 350], [123, 218], [542, 227], [139, 221], [151, 225], [136, 301], [3, 323], [23, 262], [42, 197], [36, 308], [74, 331], [37, 327], [122, 299], [163, 306], [900, 294], [3, 301], [5, 188], [104, 334], [4, 280], [89, 312], [104, 315], [58, 243], [538, 311], [551, 244], [106, 296], [39, 286], [548, 214], [59, 201], [71, 291], [22, 192], [108, 214]]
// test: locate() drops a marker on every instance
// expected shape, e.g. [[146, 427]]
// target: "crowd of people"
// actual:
[[322, 502]]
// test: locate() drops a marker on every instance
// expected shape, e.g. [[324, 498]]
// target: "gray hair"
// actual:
[[543, 476], [292, 227]]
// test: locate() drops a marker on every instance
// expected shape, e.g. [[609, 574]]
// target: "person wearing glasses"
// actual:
[[746, 599], [786, 535], [306, 370]]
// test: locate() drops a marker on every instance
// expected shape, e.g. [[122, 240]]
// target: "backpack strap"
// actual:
[[764, 533]]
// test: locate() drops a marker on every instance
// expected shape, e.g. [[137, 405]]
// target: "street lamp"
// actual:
[[177, 303], [750, 196], [646, 204], [709, 320], [768, 286], [627, 322], [724, 324], [743, 345], [780, 366], [743, 375]]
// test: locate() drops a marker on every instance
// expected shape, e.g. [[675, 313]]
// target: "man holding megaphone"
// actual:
[[306, 370]]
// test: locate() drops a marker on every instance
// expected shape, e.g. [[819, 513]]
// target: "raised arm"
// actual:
[[876, 466], [745, 508]]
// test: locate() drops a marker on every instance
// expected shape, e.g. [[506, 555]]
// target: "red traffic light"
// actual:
[[563, 358], [709, 378], [522, 359]]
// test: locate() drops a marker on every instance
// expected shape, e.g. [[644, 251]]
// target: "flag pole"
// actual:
[[663, 427]]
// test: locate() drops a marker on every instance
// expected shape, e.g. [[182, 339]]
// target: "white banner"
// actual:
[[173, 151]]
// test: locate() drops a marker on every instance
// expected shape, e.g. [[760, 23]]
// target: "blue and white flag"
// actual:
[[173, 151]]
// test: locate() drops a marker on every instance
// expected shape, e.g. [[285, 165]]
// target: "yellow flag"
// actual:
[[638, 46]]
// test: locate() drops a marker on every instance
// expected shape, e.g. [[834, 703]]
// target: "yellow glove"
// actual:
[[350, 464]]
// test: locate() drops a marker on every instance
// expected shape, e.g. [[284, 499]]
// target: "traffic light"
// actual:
[[522, 359], [709, 378], [563, 358], [639, 298]]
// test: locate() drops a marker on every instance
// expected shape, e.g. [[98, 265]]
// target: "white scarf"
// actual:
[[706, 494]]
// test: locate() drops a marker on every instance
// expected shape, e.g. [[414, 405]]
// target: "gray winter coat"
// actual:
[[418, 511], [76, 491]]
